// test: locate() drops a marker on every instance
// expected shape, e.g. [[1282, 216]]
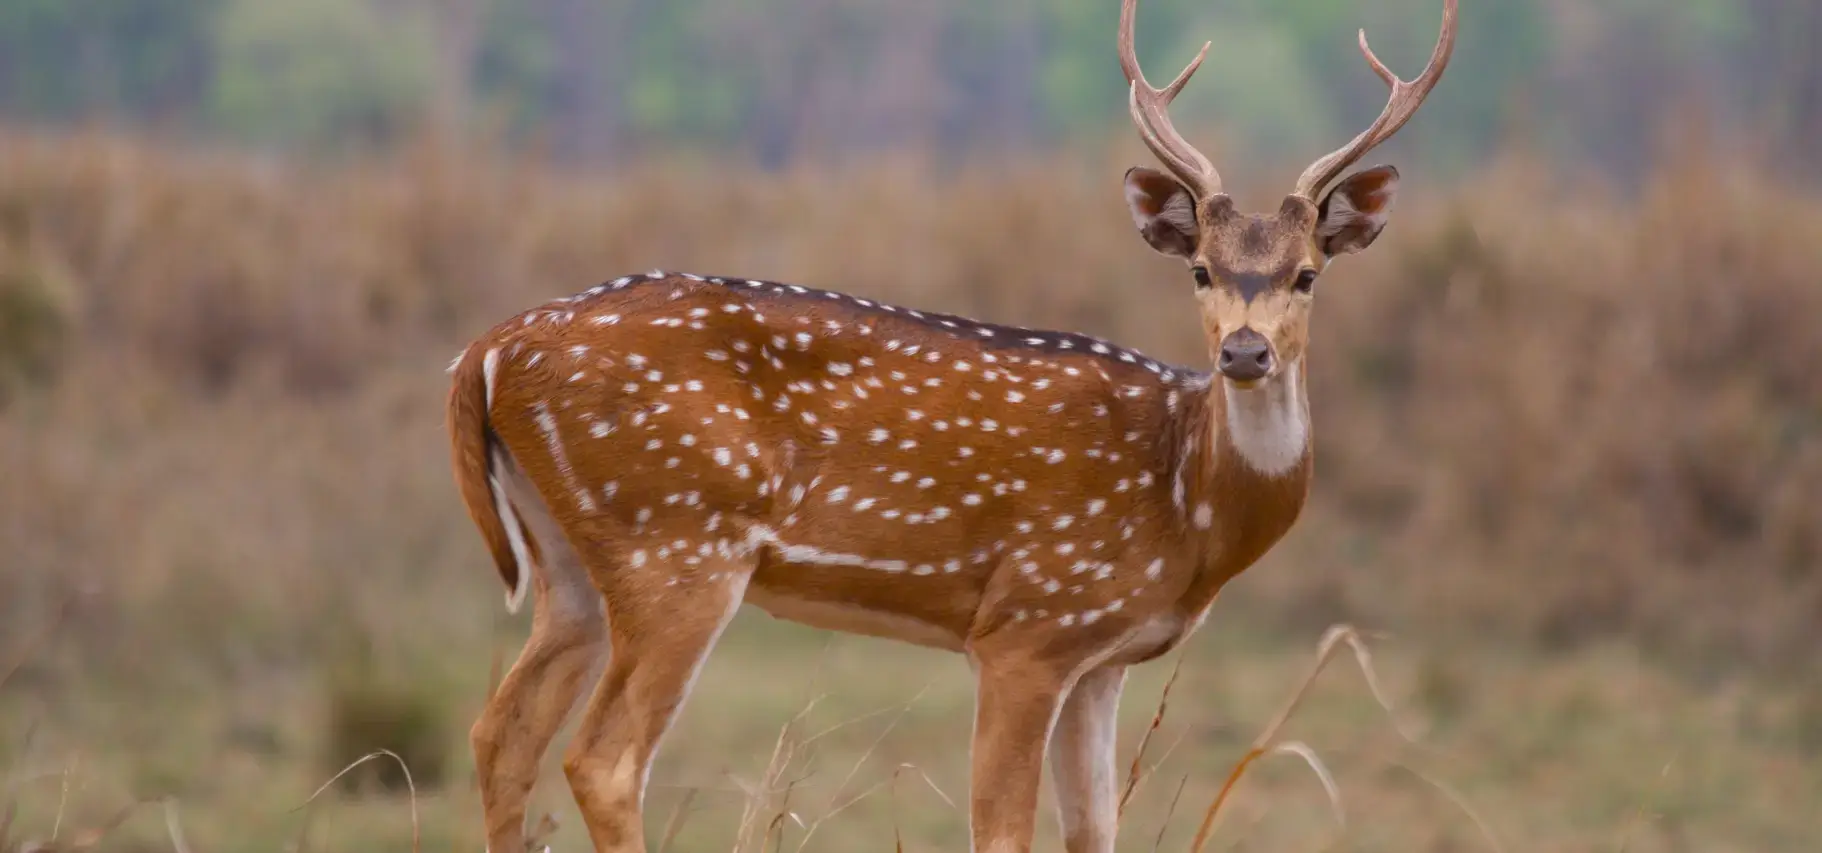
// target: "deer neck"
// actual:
[[1267, 429], [1242, 479]]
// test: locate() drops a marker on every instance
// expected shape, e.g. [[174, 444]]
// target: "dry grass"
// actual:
[[1554, 754], [1567, 445], [768, 812], [1604, 408]]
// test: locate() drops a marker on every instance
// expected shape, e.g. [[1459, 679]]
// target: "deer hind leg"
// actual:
[[1016, 705], [1082, 761], [568, 640], [664, 619]]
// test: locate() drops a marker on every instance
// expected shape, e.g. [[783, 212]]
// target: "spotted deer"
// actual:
[[647, 455]]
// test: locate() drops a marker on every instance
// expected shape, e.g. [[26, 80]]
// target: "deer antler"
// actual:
[[1406, 97], [1149, 112]]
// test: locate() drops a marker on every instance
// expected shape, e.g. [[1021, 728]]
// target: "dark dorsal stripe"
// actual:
[[987, 335]]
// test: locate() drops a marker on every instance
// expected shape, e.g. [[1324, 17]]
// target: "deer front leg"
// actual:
[[1082, 762], [1015, 708]]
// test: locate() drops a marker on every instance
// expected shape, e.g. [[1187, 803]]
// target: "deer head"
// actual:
[[1255, 274]]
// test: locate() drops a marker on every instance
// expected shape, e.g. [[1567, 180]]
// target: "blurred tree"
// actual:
[[515, 60], [778, 80], [988, 67], [678, 85], [1258, 89], [136, 59], [1618, 75], [598, 53], [1784, 76], [1079, 81], [328, 73], [455, 27], [1500, 50], [784, 56]]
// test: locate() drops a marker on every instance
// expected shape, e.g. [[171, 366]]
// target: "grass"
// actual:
[[1551, 753], [225, 478]]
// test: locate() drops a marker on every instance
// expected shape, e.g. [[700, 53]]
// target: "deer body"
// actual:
[[889, 472], [1006, 493], [646, 456]]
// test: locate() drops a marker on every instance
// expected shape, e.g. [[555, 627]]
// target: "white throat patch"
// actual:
[[1269, 425]]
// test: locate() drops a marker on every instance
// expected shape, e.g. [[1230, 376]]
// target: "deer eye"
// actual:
[[1306, 281], [1202, 280]]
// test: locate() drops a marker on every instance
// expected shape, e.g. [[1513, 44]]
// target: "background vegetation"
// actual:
[[1568, 416], [790, 81]]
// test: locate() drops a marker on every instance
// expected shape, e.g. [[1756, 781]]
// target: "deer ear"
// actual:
[[1354, 213], [1163, 210]]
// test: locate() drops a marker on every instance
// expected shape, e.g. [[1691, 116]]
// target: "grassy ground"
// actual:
[[1597, 751], [224, 482]]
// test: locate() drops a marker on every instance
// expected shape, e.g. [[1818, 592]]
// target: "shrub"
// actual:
[[37, 313], [371, 710]]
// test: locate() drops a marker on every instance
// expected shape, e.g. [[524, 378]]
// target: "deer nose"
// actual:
[[1245, 356]]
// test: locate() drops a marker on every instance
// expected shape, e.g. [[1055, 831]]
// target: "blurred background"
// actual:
[[1567, 407]]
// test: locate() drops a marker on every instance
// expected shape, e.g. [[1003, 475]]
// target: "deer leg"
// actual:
[[1016, 706], [1082, 761], [661, 636], [568, 639]]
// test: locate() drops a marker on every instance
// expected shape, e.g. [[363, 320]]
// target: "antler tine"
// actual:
[[1406, 97], [1150, 113]]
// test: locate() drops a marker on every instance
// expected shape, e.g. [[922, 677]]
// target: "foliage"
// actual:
[[785, 79], [371, 710], [37, 315], [146, 59], [317, 73]]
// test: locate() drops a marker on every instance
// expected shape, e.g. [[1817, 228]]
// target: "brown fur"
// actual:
[[1047, 503], [1253, 260], [470, 438], [1050, 505]]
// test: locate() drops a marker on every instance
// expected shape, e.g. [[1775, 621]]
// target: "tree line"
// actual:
[[776, 81]]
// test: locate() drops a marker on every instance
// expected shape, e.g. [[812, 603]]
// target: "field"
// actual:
[[1569, 444]]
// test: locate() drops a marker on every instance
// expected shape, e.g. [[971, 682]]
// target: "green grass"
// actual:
[[1566, 753]]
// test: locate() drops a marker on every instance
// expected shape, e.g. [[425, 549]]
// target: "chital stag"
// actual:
[[647, 455]]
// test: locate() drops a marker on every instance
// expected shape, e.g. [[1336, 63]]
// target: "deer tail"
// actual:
[[477, 454]]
